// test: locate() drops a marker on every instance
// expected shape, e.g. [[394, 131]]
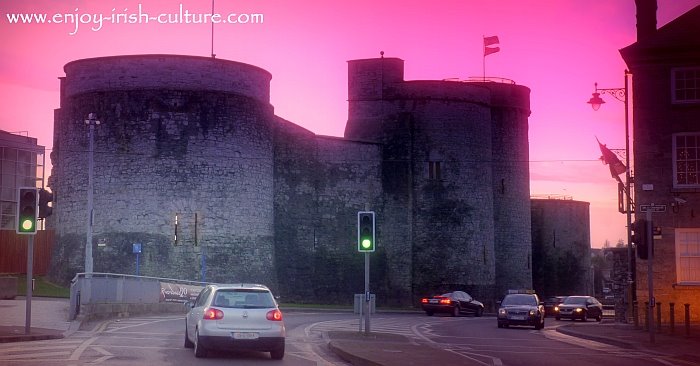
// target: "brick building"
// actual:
[[665, 68]]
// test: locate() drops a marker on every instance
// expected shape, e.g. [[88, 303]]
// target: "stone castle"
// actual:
[[191, 161]]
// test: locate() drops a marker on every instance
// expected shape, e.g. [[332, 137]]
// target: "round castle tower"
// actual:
[[183, 163], [455, 176]]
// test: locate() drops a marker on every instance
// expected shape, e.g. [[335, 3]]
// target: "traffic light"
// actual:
[[641, 240], [27, 210], [365, 231], [45, 197]]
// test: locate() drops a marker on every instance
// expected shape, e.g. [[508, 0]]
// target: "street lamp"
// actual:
[[596, 101], [91, 121]]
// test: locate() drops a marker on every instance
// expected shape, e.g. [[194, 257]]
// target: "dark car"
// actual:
[[580, 307], [454, 303], [521, 309], [551, 304]]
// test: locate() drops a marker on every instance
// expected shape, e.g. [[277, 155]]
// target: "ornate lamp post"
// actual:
[[596, 101]]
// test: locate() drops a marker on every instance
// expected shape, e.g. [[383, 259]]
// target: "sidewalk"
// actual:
[[674, 346], [48, 319]]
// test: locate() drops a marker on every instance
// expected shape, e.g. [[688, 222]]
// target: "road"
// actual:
[[158, 341]]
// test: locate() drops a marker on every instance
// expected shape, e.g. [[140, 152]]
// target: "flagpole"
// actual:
[[484, 57]]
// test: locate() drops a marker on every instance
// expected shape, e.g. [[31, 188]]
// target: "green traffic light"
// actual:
[[366, 243], [27, 225]]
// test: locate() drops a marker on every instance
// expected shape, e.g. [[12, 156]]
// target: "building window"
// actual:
[[686, 85], [686, 159], [688, 255], [434, 170]]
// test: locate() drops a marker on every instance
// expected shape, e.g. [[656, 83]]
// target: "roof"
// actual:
[[677, 39]]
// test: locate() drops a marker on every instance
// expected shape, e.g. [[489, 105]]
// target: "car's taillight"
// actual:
[[445, 301], [274, 315], [213, 314], [424, 300]]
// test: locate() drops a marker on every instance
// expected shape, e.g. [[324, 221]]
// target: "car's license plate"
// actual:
[[433, 301], [245, 335], [517, 317]]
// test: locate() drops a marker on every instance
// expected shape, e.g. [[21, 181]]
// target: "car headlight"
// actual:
[[533, 312], [502, 312], [578, 310], [556, 308]]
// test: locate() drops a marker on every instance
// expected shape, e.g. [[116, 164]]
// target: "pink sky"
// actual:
[[556, 48]]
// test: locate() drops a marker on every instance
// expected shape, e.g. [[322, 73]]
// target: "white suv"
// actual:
[[235, 317]]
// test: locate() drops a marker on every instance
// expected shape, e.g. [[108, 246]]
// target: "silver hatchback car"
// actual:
[[235, 317]]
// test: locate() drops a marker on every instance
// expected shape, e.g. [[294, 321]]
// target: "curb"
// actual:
[[349, 357], [564, 329], [30, 337]]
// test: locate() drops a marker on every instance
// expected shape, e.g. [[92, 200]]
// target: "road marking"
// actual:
[[81, 348], [106, 355], [495, 361]]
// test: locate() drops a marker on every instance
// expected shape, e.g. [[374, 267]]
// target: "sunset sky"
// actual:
[[557, 48]]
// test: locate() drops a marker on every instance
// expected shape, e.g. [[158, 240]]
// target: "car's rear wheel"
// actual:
[[199, 350], [455, 311], [188, 342], [479, 312], [277, 354]]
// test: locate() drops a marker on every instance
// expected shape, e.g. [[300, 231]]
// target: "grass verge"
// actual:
[[42, 287]]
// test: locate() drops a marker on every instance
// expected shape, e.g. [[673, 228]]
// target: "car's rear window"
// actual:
[[243, 298]]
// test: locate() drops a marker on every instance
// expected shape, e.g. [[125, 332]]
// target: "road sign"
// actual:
[[652, 208]]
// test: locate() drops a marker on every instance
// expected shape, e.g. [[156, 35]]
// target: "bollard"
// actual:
[[635, 314], [658, 318], [672, 318], [646, 315], [687, 320]]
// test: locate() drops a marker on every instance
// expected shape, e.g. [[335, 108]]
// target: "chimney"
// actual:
[[646, 19]]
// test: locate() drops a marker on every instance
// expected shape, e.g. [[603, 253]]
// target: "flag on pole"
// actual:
[[609, 158], [490, 41]]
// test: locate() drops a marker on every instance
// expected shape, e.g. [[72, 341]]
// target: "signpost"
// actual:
[[136, 249]]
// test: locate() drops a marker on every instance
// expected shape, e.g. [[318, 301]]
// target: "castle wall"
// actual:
[[184, 150], [510, 109], [191, 161], [474, 219], [561, 242]]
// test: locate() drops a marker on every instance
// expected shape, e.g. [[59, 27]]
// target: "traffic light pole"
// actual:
[[30, 274], [366, 305], [650, 277]]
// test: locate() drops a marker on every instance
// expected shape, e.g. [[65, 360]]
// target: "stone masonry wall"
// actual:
[[201, 156]]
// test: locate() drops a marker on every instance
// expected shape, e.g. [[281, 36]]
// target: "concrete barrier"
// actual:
[[113, 295], [8, 287], [121, 310]]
